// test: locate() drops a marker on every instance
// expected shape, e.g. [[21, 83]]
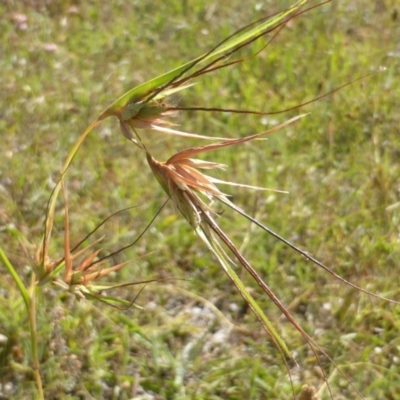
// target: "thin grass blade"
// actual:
[[140, 92], [266, 323]]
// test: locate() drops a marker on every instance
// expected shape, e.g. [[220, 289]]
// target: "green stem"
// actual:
[[17, 280], [53, 198], [34, 347], [207, 238], [29, 300]]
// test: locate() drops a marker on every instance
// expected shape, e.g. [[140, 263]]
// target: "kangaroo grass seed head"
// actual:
[[181, 179], [146, 105], [154, 116], [80, 269], [186, 185], [146, 115], [183, 183]]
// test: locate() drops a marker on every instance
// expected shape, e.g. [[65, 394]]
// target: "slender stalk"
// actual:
[[53, 197], [34, 347], [16, 278], [30, 304], [207, 238]]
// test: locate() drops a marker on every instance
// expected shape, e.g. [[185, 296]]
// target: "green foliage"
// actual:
[[340, 165]]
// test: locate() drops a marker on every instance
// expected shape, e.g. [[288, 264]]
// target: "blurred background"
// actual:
[[63, 62]]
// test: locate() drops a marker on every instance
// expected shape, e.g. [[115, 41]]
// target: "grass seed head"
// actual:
[[182, 180]]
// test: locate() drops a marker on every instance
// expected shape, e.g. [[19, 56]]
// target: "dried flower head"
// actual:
[[182, 180]]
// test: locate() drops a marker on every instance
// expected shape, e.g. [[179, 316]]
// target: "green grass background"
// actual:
[[340, 165]]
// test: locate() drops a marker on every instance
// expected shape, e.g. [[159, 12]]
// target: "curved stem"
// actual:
[[48, 225]]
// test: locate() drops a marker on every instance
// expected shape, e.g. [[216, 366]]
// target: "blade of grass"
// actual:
[[21, 287], [161, 82], [204, 234], [310, 341], [29, 301]]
